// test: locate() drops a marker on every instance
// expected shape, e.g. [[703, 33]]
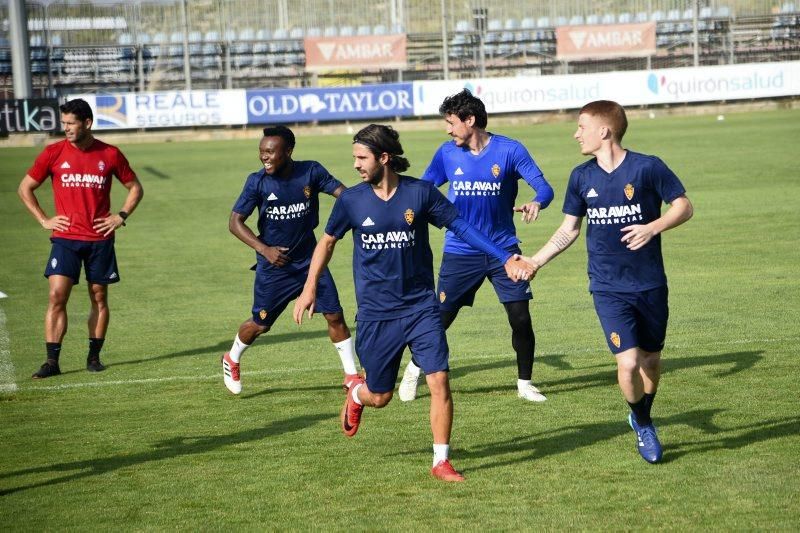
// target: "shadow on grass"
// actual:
[[567, 439], [155, 172], [738, 361], [168, 449], [223, 346]]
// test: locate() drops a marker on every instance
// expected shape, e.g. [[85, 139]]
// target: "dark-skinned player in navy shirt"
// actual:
[[286, 195], [620, 192], [389, 216], [483, 171]]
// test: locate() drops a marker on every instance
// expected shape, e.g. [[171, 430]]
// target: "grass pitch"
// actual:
[[157, 443]]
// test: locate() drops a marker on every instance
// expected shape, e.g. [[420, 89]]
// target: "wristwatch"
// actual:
[[124, 216]]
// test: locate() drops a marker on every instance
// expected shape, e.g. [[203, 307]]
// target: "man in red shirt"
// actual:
[[83, 227]]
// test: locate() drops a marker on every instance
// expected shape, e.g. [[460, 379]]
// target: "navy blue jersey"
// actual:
[[631, 194], [288, 208], [484, 187], [392, 259]]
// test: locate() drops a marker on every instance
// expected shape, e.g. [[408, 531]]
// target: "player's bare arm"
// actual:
[[637, 235], [108, 224], [562, 239], [530, 211], [319, 260], [273, 254], [26, 193]]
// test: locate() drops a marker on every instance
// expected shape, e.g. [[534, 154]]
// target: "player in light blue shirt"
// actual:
[[483, 170], [620, 192], [388, 215]]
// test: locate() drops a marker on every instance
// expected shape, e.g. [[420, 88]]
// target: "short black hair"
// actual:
[[383, 139], [78, 107], [283, 132], [464, 105]]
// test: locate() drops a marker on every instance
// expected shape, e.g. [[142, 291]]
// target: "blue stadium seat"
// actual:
[[595, 19], [543, 22], [608, 18], [379, 29], [462, 25], [346, 31], [511, 24], [657, 16], [528, 23], [625, 18], [576, 20], [364, 30], [642, 16], [560, 21], [314, 31], [330, 31]]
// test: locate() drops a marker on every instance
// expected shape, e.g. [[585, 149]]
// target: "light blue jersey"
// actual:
[[484, 188]]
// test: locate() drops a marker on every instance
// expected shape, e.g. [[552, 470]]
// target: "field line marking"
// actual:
[[7, 383], [144, 381]]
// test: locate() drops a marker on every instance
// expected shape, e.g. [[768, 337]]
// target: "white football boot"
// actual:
[[408, 387], [230, 374], [530, 393]]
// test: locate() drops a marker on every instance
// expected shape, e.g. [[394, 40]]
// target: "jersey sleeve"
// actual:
[[533, 176], [40, 170], [665, 182], [249, 198], [324, 180], [441, 211], [574, 204], [339, 222], [469, 234], [435, 172], [122, 168]]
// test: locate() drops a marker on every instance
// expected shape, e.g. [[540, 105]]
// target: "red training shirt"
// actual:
[[82, 183]]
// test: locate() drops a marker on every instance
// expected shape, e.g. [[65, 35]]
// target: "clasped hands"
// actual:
[[520, 268]]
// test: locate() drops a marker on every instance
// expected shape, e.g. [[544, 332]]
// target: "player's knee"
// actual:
[[58, 297], [381, 399], [650, 359], [519, 317], [628, 361], [335, 320]]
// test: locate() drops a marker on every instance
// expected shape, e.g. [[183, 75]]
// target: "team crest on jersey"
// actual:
[[615, 340], [307, 191], [495, 170], [409, 216], [442, 296], [262, 314], [101, 166], [629, 191]]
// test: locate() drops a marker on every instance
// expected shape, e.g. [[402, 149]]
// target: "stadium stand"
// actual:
[[104, 46]]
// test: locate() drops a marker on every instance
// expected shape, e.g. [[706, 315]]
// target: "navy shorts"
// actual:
[[275, 287], [460, 277], [380, 345], [633, 319], [97, 257]]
